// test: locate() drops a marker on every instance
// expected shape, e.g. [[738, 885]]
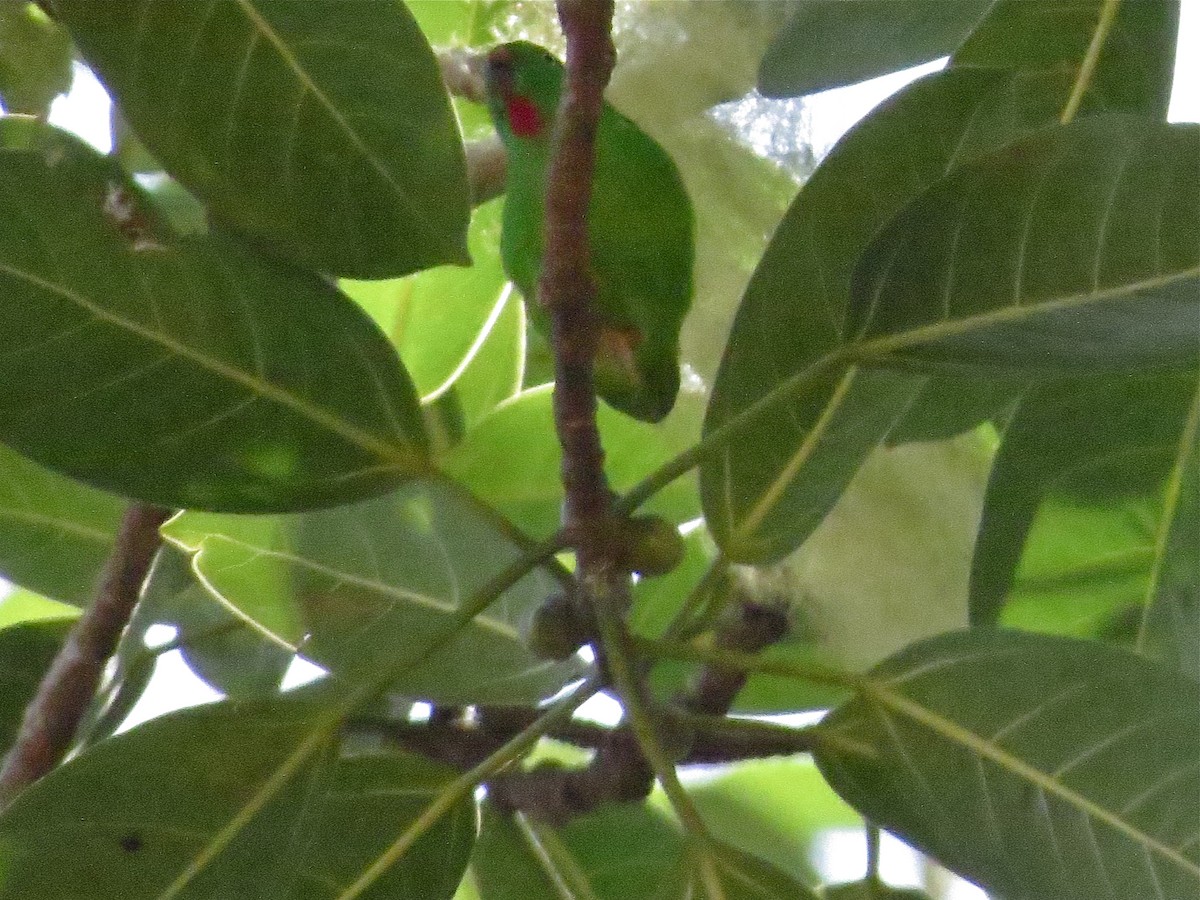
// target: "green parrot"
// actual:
[[639, 221]]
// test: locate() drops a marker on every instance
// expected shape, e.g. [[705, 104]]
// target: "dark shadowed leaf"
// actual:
[[322, 129], [830, 43], [764, 495], [213, 787], [186, 372], [1171, 625], [365, 587], [54, 533], [1068, 529], [1036, 766], [794, 310], [1136, 61], [1077, 247], [26, 651]]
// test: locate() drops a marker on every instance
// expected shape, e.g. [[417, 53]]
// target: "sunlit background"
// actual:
[[819, 120]]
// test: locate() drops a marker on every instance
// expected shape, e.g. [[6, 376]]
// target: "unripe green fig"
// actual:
[[653, 546], [556, 631]]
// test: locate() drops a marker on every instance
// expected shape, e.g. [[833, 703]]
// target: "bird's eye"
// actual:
[[500, 64]]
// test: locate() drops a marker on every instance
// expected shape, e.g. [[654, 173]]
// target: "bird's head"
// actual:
[[523, 84]]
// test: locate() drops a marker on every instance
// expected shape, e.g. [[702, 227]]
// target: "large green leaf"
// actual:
[[792, 317], [361, 587], [1078, 247], [1133, 71], [614, 853], [54, 533], [830, 43], [1039, 767], [794, 310], [35, 58], [184, 806], [1064, 542], [220, 646], [26, 651], [764, 494], [320, 128], [438, 318], [186, 372], [1171, 626]]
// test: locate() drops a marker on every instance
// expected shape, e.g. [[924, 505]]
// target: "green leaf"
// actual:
[[23, 605], [1136, 61], [220, 646], [1064, 539], [54, 533], [764, 493], [188, 824], [1076, 248], [521, 434], [192, 372], [459, 22], [1036, 766], [774, 808], [449, 311], [617, 852], [35, 58], [493, 375], [360, 588], [792, 317], [1171, 626], [26, 651], [830, 43], [438, 318], [322, 129]]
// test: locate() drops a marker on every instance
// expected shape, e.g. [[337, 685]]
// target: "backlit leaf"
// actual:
[[363, 588]]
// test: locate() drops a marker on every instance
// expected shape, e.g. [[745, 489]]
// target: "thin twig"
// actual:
[[53, 716]]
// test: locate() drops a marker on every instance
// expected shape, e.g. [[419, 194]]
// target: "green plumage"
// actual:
[[640, 227]]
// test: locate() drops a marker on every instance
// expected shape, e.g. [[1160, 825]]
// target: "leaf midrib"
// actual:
[[969, 740], [391, 592], [394, 456], [878, 348], [276, 40]]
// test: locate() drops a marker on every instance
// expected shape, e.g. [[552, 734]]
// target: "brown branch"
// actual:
[[52, 717], [487, 168], [566, 288], [462, 73]]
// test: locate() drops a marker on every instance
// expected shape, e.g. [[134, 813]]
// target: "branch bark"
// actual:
[[53, 716]]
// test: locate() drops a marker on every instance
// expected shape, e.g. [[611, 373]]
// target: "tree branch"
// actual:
[[566, 288], [53, 715]]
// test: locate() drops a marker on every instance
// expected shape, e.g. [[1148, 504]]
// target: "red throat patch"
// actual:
[[524, 118]]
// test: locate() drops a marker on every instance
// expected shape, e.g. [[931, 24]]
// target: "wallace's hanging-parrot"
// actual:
[[640, 227]]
